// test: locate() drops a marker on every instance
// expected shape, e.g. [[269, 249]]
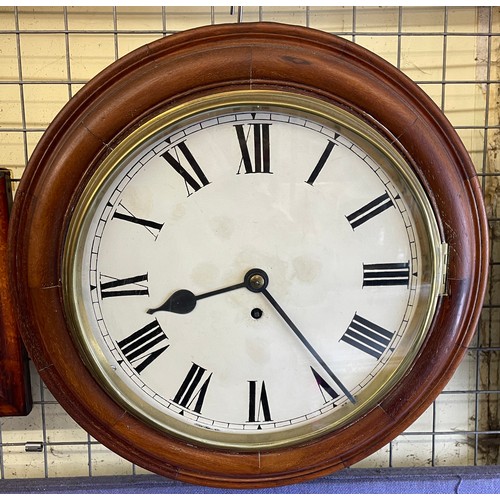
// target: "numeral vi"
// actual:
[[258, 405]]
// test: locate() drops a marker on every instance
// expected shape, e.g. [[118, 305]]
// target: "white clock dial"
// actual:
[[252, 274]]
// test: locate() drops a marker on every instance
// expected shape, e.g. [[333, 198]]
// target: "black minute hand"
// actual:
[[306, 343]]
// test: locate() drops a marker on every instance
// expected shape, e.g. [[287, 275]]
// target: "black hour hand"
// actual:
[[180, 302], [184, 301]]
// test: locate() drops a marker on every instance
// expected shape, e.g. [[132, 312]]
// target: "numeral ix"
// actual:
[[124, 287]]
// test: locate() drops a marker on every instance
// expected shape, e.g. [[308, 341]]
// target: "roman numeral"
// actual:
[[193, 389], [367, 336], [196, 181], [321, 163], [370, 210], [324, 387], [124, 287], [122, 213], [261, 148], [138, 348], [391, 274], [258, 404]]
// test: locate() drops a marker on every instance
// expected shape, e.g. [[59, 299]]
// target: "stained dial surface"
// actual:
[[251, 276]]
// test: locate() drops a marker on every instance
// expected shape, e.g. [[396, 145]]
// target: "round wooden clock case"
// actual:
[[234, 71]]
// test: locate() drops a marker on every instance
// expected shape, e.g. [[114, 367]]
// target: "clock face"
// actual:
[[252, 270]]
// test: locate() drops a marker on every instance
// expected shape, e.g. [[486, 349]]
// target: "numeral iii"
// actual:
[[386, 274]]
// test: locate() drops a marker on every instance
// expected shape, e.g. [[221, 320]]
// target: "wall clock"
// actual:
[[248, 255]]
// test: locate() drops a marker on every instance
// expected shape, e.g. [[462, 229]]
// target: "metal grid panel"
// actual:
[[48, 53]]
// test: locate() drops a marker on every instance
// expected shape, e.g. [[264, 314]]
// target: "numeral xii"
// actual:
[[261, 148]]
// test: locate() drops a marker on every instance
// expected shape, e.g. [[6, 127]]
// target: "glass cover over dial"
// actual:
[[252, 269]]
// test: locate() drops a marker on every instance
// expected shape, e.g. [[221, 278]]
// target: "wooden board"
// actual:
[[15, 393]]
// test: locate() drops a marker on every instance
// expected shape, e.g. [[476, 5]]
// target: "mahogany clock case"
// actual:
[[15, 389], [187, 66]]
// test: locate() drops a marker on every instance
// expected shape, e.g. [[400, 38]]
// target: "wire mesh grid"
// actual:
[[48, 53]]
